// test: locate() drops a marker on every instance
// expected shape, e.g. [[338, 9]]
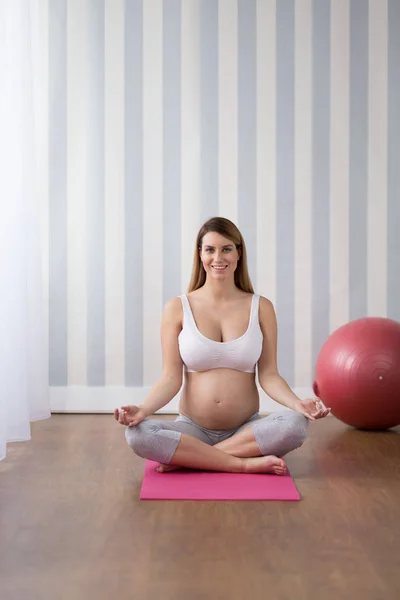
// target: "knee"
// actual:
[[297, 429], [281, 432], [134, 437], [293, 426], [151, 441], [137, 438]]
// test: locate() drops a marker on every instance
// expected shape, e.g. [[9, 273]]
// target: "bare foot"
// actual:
[[262, 464], [265, 464], [165, 468]]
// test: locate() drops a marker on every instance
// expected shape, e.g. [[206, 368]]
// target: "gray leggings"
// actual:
[[279, 433]]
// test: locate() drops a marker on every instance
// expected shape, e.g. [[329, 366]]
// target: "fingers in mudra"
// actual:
[[320, 410]]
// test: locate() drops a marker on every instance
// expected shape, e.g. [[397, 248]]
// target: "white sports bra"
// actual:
[[200, 353]]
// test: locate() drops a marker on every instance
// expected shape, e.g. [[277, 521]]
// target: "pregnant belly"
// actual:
[[220, 398]]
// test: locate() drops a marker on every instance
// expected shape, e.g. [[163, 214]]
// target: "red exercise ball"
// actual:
[[357, 373]]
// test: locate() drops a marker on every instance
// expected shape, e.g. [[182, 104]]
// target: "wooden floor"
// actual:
[[72, 526]]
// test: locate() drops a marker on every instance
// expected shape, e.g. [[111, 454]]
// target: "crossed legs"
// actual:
[[279, 433], [241, 444], [257, 447]]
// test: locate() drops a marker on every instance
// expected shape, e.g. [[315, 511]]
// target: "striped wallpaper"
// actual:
[[283, 116]]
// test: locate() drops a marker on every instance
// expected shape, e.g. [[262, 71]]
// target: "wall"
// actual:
[[282, 116]]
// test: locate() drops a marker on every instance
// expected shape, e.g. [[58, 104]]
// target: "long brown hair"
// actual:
[[229, 230]]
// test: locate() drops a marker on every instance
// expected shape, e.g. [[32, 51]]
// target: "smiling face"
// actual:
[[219, 256]]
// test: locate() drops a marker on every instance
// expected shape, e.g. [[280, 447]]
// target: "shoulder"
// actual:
[[266, 311], [173, 310], [173, 304], [265, 304]]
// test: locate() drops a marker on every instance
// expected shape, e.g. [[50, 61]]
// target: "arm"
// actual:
[[171, 379], [268, 376]]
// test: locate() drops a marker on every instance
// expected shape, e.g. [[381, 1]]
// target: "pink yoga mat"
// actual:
[[207, 485]]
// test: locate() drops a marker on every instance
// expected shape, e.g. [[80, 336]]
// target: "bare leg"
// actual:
[[277, 434], [242, 444], [194, 454]]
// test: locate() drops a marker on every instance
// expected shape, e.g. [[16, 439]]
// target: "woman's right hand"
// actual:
[[129, 415]]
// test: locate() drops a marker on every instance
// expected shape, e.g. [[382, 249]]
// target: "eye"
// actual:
[[228, 249]]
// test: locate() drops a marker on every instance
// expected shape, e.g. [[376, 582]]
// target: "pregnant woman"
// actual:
[[213, 339]]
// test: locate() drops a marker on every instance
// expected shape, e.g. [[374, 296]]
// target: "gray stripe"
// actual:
[[133, 194], [285, 186], [95, 198], [320, 177], [58, 276], [171, 149], [358, 158], [209, 108], [393, 247], [247, 145]]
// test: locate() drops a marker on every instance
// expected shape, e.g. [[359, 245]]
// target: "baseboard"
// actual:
[[80, 399]]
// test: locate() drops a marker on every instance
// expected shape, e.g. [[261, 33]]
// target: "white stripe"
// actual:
[[266, 155], [228, 109], [303, 192], [76, 189], [339, 165], [114, 192], [42, 135], [152, 189], [377, 158], [190, 136]]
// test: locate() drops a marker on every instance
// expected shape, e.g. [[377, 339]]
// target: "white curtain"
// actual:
[[24, 391]]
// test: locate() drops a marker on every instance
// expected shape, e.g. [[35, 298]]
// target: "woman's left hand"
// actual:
[[313, 409]]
